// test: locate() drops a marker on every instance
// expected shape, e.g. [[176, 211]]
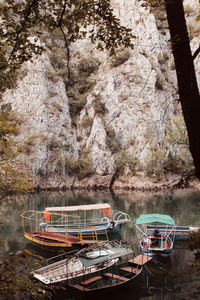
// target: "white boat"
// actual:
[[87, 261], [91, 217]]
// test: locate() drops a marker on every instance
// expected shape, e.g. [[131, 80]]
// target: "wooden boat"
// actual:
[[179, 232], [87, 261], [156, 242], [91, 217], [35, 233], [125, 273]]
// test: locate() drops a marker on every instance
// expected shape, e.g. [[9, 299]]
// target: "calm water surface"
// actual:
[[167, 281]]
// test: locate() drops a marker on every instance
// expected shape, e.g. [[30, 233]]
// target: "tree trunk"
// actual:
[[187, 83]]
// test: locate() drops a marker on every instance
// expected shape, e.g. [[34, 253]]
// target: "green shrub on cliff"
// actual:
[[87, 66], [120, 58], [80, 168], [99, 106], [111, 140], [12, 175], [126, 162], [176, 135]]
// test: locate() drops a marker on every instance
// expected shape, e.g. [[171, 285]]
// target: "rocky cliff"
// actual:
[[116, 120]]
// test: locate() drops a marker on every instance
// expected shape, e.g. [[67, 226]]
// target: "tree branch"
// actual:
[[68, 53], [196, 53], [64, 35], [26, 16], [62, 14]]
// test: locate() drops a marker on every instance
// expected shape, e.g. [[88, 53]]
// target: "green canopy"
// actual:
[[155, 218]]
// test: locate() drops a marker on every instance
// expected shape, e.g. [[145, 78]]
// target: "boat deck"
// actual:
[[91, 280], [66, 269], [55, 236], [111, 275], [122, 275], [140, 259], [58, 272]]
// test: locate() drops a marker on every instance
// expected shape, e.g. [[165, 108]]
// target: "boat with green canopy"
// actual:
[[155, 218], [155, 242]]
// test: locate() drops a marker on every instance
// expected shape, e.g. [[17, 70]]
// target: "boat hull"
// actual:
[[86, 262], [156, 245], [108, 289], [47, 244], [75, 231], [126, 273], [58, 245], [56, 274], [156, 252]]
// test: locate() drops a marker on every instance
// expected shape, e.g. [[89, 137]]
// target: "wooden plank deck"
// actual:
[[131, 270], [79, 287], [140, 259], [121, 278], [93, 279], [55, 236], [83, 242]]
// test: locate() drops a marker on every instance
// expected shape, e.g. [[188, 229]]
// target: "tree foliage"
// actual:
[[12, 179], [15, 281], [23, 23]]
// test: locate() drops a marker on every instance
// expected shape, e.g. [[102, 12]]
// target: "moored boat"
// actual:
[[33, 223], [86, 262], [155, 242], [125, 273], [91, 217]]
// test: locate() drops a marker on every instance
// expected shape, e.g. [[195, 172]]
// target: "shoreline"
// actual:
[[103, 184], [126, 183]]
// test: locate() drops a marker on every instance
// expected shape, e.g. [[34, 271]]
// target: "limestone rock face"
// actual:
[[118, 117], [42, 104]]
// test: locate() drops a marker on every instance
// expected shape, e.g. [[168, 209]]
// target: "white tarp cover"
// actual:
[[79, 207]]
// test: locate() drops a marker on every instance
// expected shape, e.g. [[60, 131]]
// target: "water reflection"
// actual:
[[183, 206]]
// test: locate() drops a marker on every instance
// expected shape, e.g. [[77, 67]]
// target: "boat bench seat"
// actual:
[[131, 270], [79, 287], [93, 279], [121, 278]]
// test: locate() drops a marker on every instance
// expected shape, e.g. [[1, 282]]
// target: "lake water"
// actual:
[[174, 281]]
